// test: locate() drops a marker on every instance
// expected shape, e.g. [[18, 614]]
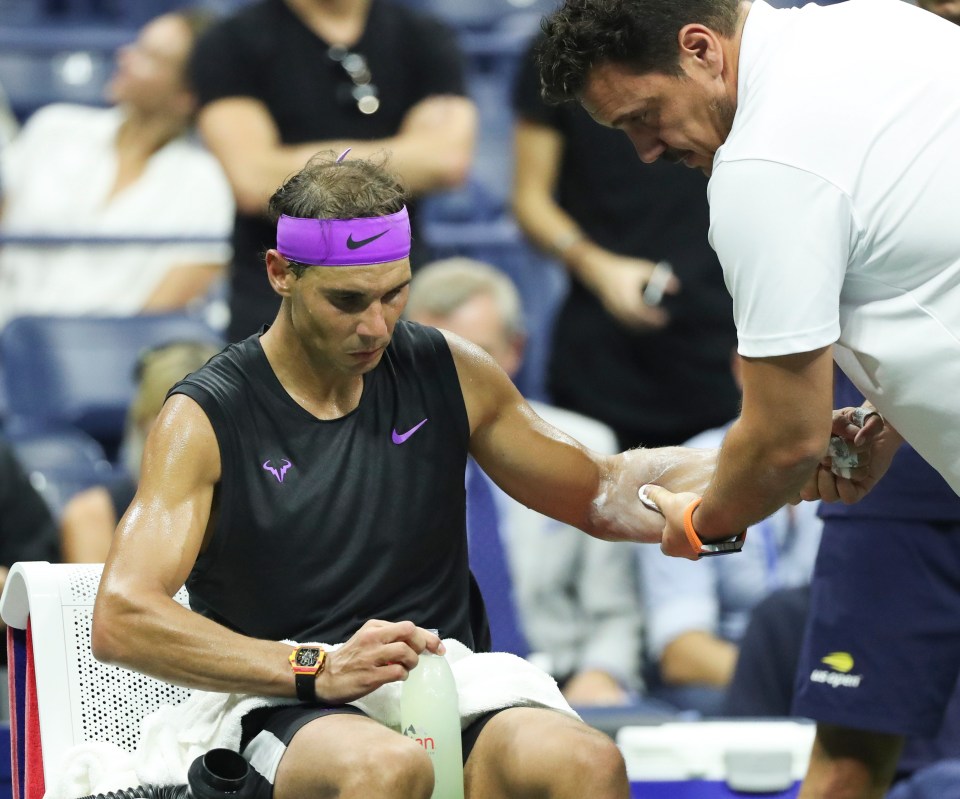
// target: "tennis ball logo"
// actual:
[[839, 661]]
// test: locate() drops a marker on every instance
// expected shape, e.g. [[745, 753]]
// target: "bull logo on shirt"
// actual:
[[278, 473]]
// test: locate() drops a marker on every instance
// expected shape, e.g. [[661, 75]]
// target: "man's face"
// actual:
[[948, 9], [345, 315], [682, 118]]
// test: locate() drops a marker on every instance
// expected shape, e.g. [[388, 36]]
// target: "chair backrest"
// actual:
[[48, 609], [79, 370]]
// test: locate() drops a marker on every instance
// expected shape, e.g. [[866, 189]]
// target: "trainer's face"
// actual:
[[948, 9], [345, 315], [683, 118]]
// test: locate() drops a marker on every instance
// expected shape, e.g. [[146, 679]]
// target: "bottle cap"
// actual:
[[217, 773]]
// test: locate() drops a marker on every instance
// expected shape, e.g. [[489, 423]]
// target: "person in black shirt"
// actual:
[[281, 79], [658, 374], [307, 484]]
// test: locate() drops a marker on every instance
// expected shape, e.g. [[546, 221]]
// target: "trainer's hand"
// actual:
[[873, 440], [379, 652], [674, 541]]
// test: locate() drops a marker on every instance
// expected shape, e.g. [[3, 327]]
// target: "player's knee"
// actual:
[[607, 761], [399, 767], [594, 759]]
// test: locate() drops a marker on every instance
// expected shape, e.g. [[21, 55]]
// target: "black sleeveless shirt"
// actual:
[[324, 524]]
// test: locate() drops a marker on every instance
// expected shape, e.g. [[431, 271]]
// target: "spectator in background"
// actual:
[[282, 79], [656, 374], [697, 613], [125, 171], [90, 517], [27, 529], [575, 595]]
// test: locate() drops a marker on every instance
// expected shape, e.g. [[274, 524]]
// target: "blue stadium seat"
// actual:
[[78, 371], [60, 460], [41, 64], [478, 14]]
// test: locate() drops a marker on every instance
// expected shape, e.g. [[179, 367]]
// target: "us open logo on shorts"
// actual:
[[840, 663]]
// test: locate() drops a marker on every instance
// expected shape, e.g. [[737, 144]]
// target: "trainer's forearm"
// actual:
[[760, 469]]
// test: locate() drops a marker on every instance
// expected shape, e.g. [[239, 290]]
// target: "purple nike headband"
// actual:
[[344, 242]]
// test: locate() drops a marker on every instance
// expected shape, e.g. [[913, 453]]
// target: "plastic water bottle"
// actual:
[[430, 714]]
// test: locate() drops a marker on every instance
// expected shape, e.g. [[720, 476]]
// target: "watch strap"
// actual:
[[725, 546], [306, 686], [692, 538]]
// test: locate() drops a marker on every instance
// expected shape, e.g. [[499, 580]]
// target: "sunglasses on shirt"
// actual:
[[360, 90]]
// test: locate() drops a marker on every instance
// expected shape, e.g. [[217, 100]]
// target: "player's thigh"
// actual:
[[352, 756], [534, 751]]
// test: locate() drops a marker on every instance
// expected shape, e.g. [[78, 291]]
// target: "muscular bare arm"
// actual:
[[432, 150], [139, 625], [553, 474], [136, 622]]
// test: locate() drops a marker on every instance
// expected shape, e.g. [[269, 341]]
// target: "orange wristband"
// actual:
[[694, 540]]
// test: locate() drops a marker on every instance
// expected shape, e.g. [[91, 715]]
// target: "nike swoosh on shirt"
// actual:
[[352, 244], [399, 438]]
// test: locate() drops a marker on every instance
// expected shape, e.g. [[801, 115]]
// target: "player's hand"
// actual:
[[379, 652]]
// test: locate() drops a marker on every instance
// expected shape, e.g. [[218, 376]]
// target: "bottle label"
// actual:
[[426, 741]]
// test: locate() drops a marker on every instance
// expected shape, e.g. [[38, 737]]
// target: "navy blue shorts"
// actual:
[[881, 649]]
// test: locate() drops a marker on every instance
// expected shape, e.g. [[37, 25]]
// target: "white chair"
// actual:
[[60, 695]]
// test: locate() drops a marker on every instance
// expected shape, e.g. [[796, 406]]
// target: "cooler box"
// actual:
[[716, 759]]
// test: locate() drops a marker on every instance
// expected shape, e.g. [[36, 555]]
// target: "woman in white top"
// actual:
[[131, 170]]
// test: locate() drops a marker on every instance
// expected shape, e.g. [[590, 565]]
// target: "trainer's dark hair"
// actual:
[[351, 189], [641, 34]]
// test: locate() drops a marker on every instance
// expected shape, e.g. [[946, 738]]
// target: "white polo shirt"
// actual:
[[834, 204]]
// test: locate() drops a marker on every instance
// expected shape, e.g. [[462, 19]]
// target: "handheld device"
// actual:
[[657, 284]]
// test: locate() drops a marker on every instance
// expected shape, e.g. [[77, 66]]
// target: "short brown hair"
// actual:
[[349, 189], [641, 34]]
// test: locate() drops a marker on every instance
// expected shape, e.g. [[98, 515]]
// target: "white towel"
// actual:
[[173, 736]]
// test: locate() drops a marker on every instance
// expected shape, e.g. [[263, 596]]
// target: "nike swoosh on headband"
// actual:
[[352, 244]]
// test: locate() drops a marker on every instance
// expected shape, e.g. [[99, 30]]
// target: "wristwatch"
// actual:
[[307, 662], [725, 546]]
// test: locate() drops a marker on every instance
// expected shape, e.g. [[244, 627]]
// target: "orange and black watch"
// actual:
[[307, 662]]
